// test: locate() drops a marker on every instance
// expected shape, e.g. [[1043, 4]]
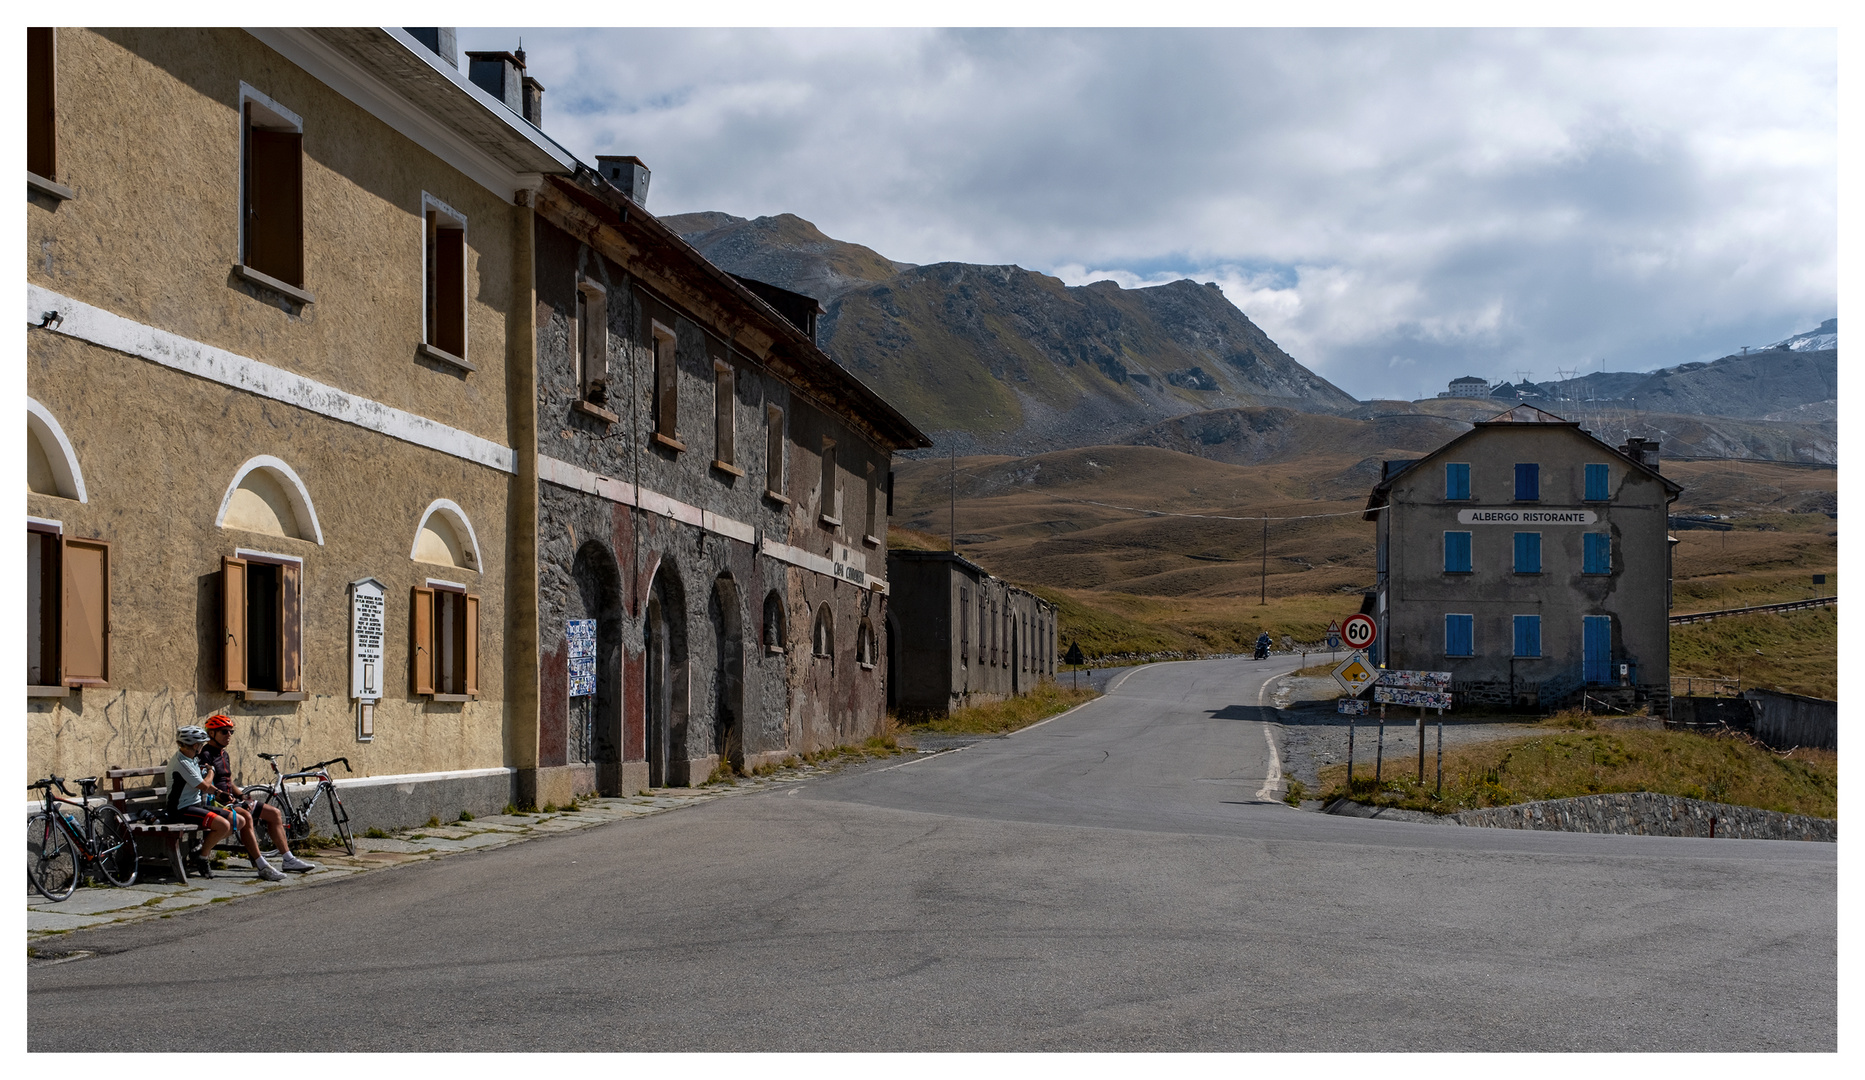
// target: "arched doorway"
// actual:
[[667, 679], [728, 627], [594, 725]]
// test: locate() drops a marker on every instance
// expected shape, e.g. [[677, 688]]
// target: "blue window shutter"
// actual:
[[1456, 552], [1527, 482], [1459, 635], [1527, 553], [1457, 481], [1528, 635], [1598, 481], [1597, 556]]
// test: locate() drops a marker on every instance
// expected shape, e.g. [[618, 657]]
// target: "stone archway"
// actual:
[[728, 627], [667, 689], [594, 726]]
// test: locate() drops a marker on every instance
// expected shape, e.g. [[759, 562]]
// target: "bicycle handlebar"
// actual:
[[51, 781], [333, 761]]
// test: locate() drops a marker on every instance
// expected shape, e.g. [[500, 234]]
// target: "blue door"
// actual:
[[1597, 646]]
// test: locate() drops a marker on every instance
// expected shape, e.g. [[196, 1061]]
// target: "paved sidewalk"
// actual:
[[156, 896]]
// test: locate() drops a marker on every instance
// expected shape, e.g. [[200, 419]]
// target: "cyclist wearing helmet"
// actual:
[[219, 771], [186, 805]]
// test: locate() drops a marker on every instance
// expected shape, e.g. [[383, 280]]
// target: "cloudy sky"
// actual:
[[1395, 208]]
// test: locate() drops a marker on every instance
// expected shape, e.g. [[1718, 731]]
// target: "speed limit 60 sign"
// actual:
[[1358, 631]]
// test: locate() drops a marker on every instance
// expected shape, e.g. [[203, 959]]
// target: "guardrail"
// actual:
[[1792, 605]]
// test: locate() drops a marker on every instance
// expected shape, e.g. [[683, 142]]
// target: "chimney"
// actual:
[[628, 173], [534, 101], [497, 74], [439, 39], [1643, 451]]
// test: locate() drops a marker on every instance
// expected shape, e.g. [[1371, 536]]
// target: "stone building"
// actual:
[[1529, 559], [1469, 386], [711, 498], [958, 636], [275, 281]]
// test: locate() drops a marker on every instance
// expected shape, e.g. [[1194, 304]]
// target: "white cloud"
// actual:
[[1477, 202]]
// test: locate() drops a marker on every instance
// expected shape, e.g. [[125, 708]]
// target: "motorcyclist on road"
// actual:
[[1262, 645]]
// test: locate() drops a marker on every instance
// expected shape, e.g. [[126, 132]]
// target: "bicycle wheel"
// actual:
[[342, 821], [116, 848], [51, 861]]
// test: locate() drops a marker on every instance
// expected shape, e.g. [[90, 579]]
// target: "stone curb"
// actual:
[[1633, 813]]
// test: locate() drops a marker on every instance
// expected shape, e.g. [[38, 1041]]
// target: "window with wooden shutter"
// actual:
[[45, 588], [469, 645], [84, 633], [592, 346], [421, 641], [830, 486], [446, 281], [774, 450], [723, 394], [290, 627], [42, 102], [233, 622], [666, 387], [274, 198]]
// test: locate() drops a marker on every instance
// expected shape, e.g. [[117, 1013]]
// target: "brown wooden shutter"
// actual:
[[595, 344], [84, 637], [469, 641], [667, 405], [450, 291], [42, 102], [774, 450], [275, 204], [290, 627], [233, 622], [421, 641], [723, 400]]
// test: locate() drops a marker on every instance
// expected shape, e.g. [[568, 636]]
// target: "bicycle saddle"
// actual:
[[271, 757]]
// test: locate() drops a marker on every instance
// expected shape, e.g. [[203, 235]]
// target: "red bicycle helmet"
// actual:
[[218, 720]]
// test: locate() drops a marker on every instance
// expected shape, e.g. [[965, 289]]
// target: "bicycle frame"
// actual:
[[297, 815]]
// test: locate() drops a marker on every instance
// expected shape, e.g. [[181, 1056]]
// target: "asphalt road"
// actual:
[[1115, 879]]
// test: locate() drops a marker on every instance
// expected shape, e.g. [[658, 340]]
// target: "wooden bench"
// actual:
[[175, 843]]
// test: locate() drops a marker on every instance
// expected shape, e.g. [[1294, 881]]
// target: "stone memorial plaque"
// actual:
[[366, 633]]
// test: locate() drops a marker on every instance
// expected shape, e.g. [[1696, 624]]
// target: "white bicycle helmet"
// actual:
[[190, 736]]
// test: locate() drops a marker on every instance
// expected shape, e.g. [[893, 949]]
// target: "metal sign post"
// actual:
[[1379, 754], [1440, 752]]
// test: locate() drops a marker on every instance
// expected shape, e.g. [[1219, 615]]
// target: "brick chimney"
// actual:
[[628, 173], [1643, 451]]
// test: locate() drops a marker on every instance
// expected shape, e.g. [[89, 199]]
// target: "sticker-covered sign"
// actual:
[[1355, 674], [1416, 680], [581, 637], [1395, 695], [366, 632], [1350, 706]]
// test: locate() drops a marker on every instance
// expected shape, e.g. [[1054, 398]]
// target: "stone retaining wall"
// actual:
[[1646, 814]]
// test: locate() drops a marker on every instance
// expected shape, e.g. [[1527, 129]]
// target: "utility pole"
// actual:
[[951, 521], [1262, 581]]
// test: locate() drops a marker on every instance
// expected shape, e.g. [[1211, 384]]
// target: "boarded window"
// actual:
[[1527, 635], [964, 626], [723, 395], [446, 283], [870, 529], [1599, 478], [773, 450], [1457, 480], [1459, 635], [1457, 553], [592, 342], [42, 102], [1527, 482], [825, 632], [774, 636], [1596, 558], [666, 386], [1528, 553], [274, 209]]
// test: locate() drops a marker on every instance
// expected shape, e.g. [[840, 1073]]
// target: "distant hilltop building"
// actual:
[[1467, 387]]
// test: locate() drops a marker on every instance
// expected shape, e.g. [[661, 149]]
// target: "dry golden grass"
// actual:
[[997, 717], [1567, 763], [1797, 651]]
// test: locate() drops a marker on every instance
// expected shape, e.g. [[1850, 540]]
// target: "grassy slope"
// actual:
[[1796, 652], [997, 717], [1567, 763]]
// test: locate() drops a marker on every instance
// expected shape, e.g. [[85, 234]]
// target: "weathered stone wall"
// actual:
[[1646, 814]]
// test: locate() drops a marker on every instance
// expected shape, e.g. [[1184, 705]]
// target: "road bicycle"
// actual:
[[297, 816], [60, 850]]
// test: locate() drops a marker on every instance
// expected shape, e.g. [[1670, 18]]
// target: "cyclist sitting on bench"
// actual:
[[220, 772], [186, 804]]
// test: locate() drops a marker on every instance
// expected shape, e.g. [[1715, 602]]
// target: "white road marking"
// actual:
[[1274, 780]]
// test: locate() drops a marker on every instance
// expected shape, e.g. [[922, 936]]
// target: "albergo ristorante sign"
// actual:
[[1526, 517]]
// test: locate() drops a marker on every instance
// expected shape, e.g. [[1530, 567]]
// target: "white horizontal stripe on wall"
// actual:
[[100, 327]]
